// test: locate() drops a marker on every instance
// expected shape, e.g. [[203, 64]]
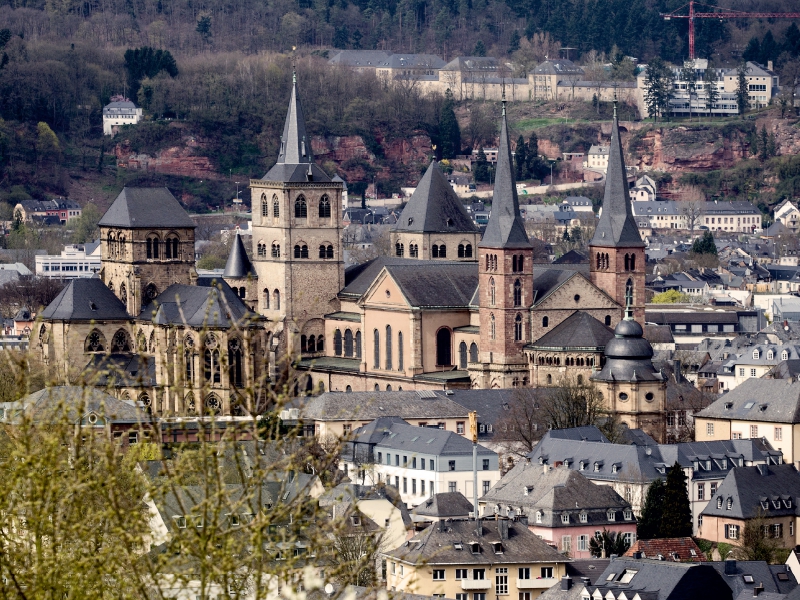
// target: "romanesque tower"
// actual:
[[147, 245], [617, 257], [297, 248], [505, 276]]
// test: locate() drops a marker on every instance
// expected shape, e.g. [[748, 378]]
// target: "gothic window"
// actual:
[[121, 342], [376, 359], [492, 330], [413, 250], [276, 250], [608, 320], [517, 293], [213, 404], [518, 328], [468, 251], [264, 206], [435, 251], [123, 293], [337, 343], [348, 343], [188, 359], [491, 291], [473, 352], [300, 208], [462, 355], [388, 347], [276, 207], [400, 365], [633, 262], [235, 362], [150, 294], [141, 342], [444, 355], [188, 402], [399, 250], [211, 370], [276, 300], [324, 208], [358, 344], [266, 299], [171, 247], [521, 263], [629, 293], [545, 321], [152, 246], [95, 342], [329, 252]]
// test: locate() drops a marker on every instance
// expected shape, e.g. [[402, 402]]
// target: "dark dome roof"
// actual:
[[626, 328]]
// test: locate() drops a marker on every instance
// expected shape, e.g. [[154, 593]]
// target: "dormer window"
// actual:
[[765, 504], [770, 355], [612, 516], [584, 517], [356, 520], [597, 466], [719, 502], [776, 504], [582, 466], [756, 354], [614, 468], [475, 547], [497, 547], [784, 355], [539, 516], [787, 503], [628, 514], [730, 504], [565, 519]]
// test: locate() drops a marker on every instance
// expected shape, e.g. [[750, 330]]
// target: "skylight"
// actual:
[[749, 405], [748, 578]]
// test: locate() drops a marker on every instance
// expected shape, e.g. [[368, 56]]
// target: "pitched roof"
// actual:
[[396, 434], [745, 488], [771, 400], [363, 406], [143, 208], [761, 573], [505, 228], [682, 549], [239, 265], [121, 370], [85, 299], [210, 303], [579, 330], [616, 227], [77, 402], [427, 283], [434, 207], [446, 505]]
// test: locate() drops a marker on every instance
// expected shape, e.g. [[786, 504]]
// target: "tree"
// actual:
[[689, 75], [47, 145], [577, 403], [85, 226], [742, 89], [752, 51], [705, 244], [692, 207], [658, 88], [758, 539], [648, 526], [603, 545], [710, 85], [513, 44], [676, 517], [204, 28], [521, 159], [480, 168], [356, 554], [480, 49], [449, 131], [147, 62], [670, 297]]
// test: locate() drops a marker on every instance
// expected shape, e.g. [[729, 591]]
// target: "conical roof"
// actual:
[[505, 228], [434, 207], [238, 265], [617, 227], [295, 159]]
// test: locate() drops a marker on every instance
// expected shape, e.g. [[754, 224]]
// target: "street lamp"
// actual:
[[552, 162]]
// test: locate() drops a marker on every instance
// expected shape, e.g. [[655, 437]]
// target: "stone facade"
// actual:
[[420, 245], [620, 272]]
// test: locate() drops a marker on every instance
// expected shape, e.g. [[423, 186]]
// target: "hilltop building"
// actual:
[[120, 111]]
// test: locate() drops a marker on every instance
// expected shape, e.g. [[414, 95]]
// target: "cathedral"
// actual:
[[449, 309]]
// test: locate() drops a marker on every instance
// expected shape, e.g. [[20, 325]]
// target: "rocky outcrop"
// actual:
[[185, 160]]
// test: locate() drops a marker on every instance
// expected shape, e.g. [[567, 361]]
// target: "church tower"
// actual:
[[297, 233], [505, 281], [616, 252]]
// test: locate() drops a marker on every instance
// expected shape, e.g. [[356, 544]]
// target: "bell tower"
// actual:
[[505, 280], [297, 233], [616, 252]]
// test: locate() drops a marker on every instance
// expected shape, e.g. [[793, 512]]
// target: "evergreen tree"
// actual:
[[341, 37], [521, 159], [480, 49], [603, 545], [705, 244], [769, 48], [763, 143], [449, 132], [357, 40], [658, 88], [536, 167], [676, 519], [204, 28], [712, 93], [689, 75], [481, 168], [792, 44], [513, 45], [742, 91], [147, 62], [649, 524], [752, 51]]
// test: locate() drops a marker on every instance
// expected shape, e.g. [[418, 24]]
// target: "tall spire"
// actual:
[[617, 227], [295, 144], [505, 228]]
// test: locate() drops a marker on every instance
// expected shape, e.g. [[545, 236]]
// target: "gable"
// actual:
[[563, 296], [384, 292]]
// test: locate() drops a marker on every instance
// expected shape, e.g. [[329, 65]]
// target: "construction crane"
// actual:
[[724, 13]]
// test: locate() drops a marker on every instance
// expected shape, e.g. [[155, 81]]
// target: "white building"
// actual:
[[418, 461], [788, 214], [76, 260], [597, 158], [119, 111], [644, 190]]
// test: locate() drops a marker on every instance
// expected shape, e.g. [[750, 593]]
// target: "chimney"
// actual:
[[769, 65], [502, 528], [757, 590], [676, 367], [730, 567], [586, 581], [566, 582]]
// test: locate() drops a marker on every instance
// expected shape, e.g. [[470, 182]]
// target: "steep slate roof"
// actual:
[[145, 208], [447, 505], [295, 160], [78, 401], [363, 406], [548, 280], [748, 487], [358, 278], [210, 303], [616, 227], [668, 548], [85, 300], [436, 545], [763, 574], [432, 283], [238, 265], [505, 228], [396, 434], [121, 370], [579, 330], [772, 400], [434, 207]]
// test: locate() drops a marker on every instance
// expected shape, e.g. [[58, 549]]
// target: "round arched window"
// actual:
[[623, 396], [649, 396]]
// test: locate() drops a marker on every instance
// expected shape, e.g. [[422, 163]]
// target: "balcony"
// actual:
[[476, 584], [536, 584]]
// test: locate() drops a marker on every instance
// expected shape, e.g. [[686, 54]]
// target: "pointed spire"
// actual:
[[294, 147], [238, 265], [617, 227], [505, 228]]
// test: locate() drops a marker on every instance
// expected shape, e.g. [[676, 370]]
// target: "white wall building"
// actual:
[[119, 112], [76, 260]]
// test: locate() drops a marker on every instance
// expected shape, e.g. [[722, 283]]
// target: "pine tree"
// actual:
[[712, 93], [753, 50], [449, 131], [604, 544], [705, 244], [676, 519], [480, 49], [649, 525], [658, 88], [521, 159], [481, 168], [742, 90], [763, 143], [513, 45]]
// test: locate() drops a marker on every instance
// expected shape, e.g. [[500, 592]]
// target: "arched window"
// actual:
[[213, 404], [597, 262], [514, 263], [521, 263], [171, 248], [518, 328], [211, 370], [121, 342], [300, 208], [398, 249], [276, 300], [264, 206], [461, 251], [324, 208], [152, 246], [549, 380], [235, 369], [320, 343], [188, 360], [633, 262], [304, 251], [311, 344], [329, 252], [297, 251], [266, 299], [337, 342], [358, 344], [376, 341], [123, 293], [276, 207], [442, 251], [388, 387], [400, 365], [413, 250], [491, 291], [303, 343], [276, 250], [444, 354], [608, 320], [322, 251], [473, 352], [545, 321], [487, 262], [627, 262], [468, 251], [492, 329], [95, 342], [388, 347], [435, 251], [517, 293], [150, 294], [629, 293], [462, 355], [262, 250], [348, 343]]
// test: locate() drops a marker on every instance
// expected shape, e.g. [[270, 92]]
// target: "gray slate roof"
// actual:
[[617, 227], [434, 207], [435, 284], [85, 300], [747, 487], [762, 573], [771, 400], [145, 208], [505, 228], [447, 505], [579, 330], [210, 303], [121, 370], [628, 356], [364, 406], [239, 265], [394, 434], [78, 401]]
